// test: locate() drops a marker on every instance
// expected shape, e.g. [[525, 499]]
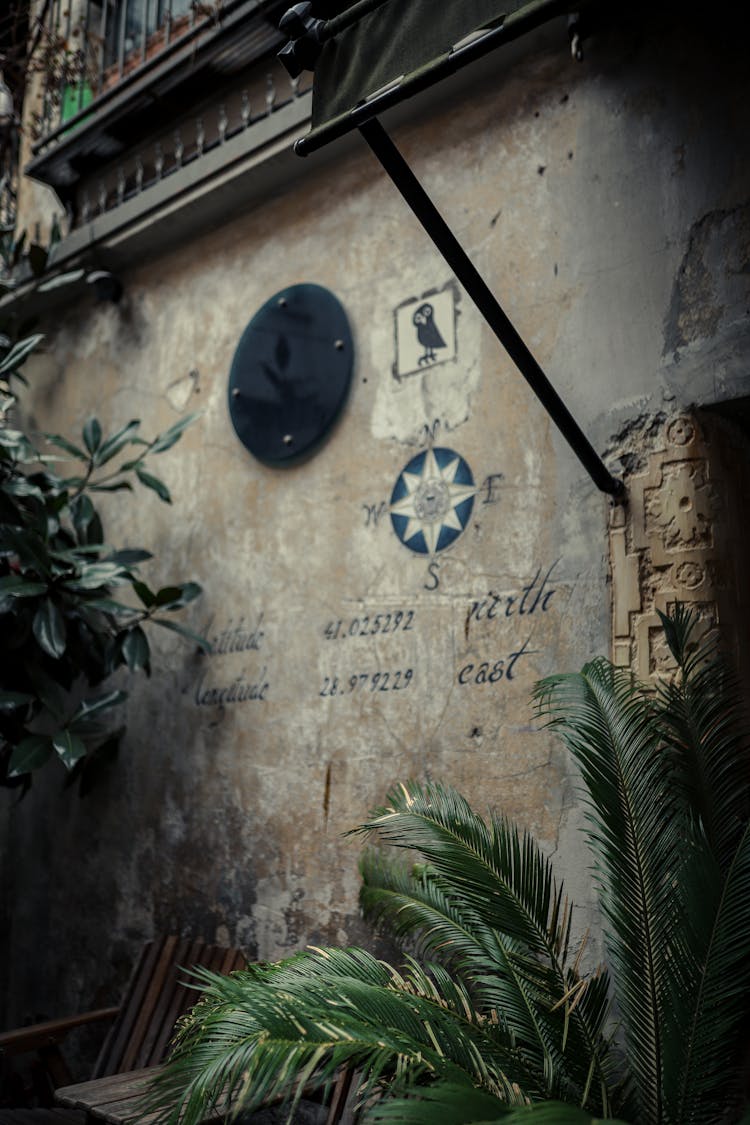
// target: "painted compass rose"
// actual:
[[432, 500]]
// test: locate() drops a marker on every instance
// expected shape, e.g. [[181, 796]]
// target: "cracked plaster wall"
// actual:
[[606, 204]]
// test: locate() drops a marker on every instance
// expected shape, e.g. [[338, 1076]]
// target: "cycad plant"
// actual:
[[493, 1016]]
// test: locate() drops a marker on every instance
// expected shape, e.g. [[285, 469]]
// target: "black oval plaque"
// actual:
[[290, 374]]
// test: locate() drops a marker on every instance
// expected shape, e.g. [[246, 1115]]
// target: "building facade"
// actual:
[[382, 608]]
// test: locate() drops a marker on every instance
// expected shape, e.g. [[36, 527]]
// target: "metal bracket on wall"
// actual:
[[467, 274]]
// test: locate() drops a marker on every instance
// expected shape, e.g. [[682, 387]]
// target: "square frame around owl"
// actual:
[[425, 331]]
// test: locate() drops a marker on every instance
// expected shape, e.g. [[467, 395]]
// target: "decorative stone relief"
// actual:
[[667, 545]]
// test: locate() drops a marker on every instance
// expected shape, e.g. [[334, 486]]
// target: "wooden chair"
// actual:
[[139, 1037], [154, 1000]]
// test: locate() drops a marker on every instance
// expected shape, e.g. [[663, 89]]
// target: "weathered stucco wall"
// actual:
[[606, 204]]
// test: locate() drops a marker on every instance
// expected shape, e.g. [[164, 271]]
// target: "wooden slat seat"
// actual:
[[139, 1038], [155, 998]]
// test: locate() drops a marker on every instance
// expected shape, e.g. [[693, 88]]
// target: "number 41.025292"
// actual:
[[366, 626]]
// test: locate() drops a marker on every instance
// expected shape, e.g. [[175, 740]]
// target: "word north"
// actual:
[[535, 595]]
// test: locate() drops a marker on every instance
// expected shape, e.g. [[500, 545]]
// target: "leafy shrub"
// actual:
[[63, 631]]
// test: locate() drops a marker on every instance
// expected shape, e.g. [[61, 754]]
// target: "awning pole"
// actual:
[[466, 273]]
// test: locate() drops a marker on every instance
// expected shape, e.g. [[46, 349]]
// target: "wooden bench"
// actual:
[[137, 1042], [139, 1037]]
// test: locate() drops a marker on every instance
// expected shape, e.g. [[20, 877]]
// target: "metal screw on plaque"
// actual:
[[287, 439], [235, 392], [282, 302], [338, 345]]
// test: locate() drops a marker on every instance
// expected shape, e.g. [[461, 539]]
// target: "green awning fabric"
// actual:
[[397, 38], [397, 48]]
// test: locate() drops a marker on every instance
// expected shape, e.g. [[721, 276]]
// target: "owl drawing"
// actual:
[[427, 334]]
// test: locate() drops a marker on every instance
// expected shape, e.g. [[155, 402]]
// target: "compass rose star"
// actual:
[[432, 500]]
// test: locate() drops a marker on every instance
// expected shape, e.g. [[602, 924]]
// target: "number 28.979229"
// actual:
[[367, 681]]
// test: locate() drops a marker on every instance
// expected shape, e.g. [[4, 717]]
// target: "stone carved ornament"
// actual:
[[675, 540]]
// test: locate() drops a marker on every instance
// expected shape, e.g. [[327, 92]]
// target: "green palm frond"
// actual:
[[498, 872], [447, 1104], [608, 723], [667, 783], [264, 1034], [719, 1002], [486, 904], [704, 724], [443, 1102], [413, 905]]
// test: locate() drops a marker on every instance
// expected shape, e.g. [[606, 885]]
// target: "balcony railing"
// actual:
[[139, 64], [109, 40], [248, 117]]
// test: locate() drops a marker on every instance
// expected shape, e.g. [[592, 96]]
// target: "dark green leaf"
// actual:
[[189, 591], [19, 352], [63, 443], [184, 632], [37, 258], [112, 446], [30, 754], [147, 596], [95, 531], [49, 691], [167, 595], [120, 486], [94, 575], [18, 445], [78, 554], [16, 586], [49, 628], [98, 762], [152, 482], [171, 436], [21, 486], [82, 512], [90, 708], [108, 605], [11, 700], [129, 556], [92, 434], [69, 747], [135, 649], [29, 546]]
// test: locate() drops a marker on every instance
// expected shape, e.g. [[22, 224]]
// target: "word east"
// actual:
[[491, 671], [535, 595]]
